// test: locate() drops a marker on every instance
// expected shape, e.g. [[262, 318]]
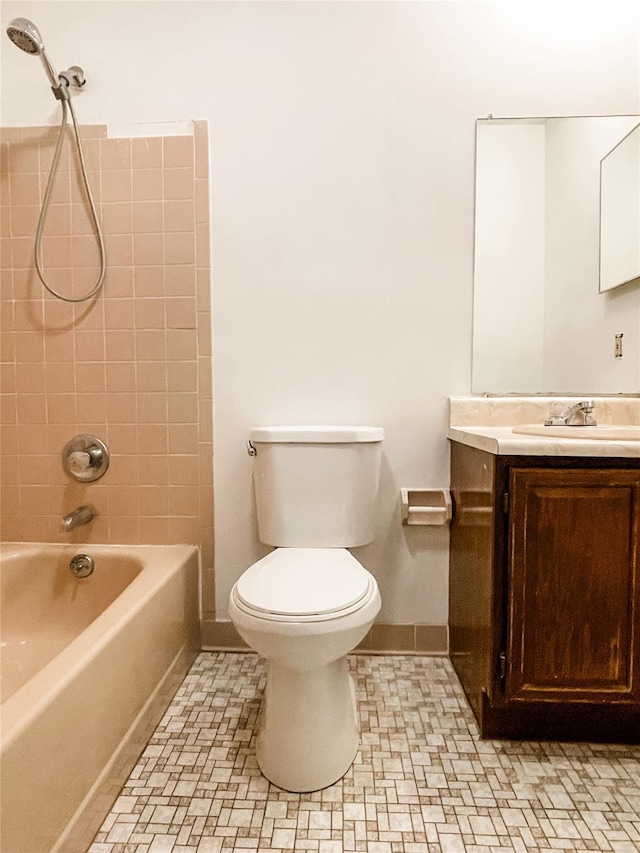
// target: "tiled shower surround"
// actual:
[[133, 365], [422, 781]]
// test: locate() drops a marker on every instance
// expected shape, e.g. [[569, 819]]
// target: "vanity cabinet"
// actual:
[[545, 594]]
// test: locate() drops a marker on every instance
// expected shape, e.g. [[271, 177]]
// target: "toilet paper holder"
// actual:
[[426, 506]]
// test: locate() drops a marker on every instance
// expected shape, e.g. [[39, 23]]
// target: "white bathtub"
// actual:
[[88, 667]]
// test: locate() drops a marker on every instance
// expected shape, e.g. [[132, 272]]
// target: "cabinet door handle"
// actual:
[[502, 667]]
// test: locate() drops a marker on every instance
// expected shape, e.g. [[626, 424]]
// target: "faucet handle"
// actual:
[[85, 458], [78, 461], [555, 417]]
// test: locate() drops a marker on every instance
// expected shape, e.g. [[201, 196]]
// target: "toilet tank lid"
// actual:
[[316, 434]]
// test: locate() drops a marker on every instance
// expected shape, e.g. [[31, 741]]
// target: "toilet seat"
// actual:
[[304, 585]]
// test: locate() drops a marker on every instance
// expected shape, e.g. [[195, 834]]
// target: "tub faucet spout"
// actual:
[[82, 515]]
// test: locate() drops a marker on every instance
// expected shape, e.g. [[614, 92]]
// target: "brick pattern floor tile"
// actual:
[[422, 781]]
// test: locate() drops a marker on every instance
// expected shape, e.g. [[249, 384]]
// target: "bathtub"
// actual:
[[88, 667]]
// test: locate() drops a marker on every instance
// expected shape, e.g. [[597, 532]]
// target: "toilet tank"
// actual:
[[316, 486]]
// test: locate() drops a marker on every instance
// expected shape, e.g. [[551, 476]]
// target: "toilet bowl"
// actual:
[[309, 602], [304, 610]]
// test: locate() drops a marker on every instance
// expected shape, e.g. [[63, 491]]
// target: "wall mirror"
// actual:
[[540, 323], [620, 213]]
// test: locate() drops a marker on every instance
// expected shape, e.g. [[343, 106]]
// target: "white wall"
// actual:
[[342, 146]]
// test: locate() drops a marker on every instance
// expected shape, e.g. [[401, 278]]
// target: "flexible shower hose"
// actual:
[[45, 209]]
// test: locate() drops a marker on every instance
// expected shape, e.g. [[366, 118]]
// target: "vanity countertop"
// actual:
[[502, 441], [486, 424]]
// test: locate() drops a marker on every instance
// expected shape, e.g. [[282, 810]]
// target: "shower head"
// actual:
[[26, 36]]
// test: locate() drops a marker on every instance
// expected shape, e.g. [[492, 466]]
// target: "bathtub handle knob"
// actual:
[[79, 461], [85, 458]]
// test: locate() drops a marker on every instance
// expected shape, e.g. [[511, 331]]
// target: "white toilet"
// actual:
[[308, 603]]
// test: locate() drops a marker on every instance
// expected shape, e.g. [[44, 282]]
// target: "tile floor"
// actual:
[[422, 781]]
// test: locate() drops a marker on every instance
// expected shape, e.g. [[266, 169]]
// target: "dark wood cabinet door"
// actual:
[[574, 586]]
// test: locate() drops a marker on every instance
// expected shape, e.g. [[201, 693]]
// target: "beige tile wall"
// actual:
[[133, 366], [407, 639]]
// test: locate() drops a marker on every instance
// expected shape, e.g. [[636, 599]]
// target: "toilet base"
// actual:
[[309, 730]]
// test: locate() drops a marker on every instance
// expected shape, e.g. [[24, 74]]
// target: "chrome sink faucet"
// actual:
[[577, 415], [82, 515]]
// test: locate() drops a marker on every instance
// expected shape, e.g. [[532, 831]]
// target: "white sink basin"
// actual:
[[606, 432]]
